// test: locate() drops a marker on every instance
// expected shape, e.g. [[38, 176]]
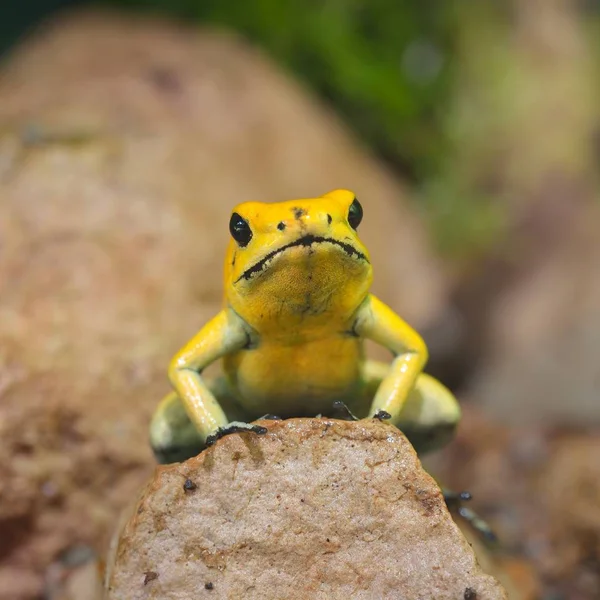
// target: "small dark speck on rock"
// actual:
[[149, 576], [209, 585], [189, 485], [470, 594]]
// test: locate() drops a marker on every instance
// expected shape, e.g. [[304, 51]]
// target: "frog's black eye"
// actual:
[[240, 230], [355, 214]]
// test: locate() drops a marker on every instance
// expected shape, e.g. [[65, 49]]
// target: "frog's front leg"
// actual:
[[225, 333], [173, 436], [419, 405], [430, 414], [376, 321]]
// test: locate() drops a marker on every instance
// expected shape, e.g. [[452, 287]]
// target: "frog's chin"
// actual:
[[302, 284], [322, 281], [319, 248]]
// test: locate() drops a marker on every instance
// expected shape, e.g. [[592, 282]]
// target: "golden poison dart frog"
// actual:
[[297, 310]]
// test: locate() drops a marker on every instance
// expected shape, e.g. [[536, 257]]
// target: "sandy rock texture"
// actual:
[[124, 144], [314, 509]]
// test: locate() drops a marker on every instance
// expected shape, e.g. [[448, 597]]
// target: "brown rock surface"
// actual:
[[316, 508], [124, 144], [539, 488]]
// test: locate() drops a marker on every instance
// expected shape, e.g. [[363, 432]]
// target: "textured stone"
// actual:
[[314, 509]]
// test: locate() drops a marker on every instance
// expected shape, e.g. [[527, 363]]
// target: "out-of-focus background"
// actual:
[[469, 130]]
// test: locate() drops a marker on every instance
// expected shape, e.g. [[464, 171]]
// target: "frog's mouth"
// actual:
[[306, 240]]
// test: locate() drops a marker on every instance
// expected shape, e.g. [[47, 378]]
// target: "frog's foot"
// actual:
[[234, 427], [173, 437], [340, 407], [382, 415], [454, 502]]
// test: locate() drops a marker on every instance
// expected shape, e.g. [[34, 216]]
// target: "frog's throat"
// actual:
[[306, 240]]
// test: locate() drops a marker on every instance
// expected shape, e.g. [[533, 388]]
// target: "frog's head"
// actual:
[[300, 257]]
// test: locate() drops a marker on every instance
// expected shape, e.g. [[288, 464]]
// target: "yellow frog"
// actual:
[[297, 310]]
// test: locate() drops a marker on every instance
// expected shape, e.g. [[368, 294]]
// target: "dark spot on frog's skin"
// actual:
[[189, 485], [298, 213], [209, 585], [329, 219], [352, 332], [470, 594], [233, 259], [251, 343], [149, 576], [281, 226]]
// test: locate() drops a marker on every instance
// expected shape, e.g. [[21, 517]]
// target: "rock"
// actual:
[[539, 489], [124, 143], [316, 508]]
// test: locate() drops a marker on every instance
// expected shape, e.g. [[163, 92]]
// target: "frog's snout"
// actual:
[[302, 221]]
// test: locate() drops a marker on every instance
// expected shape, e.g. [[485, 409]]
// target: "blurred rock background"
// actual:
[[470, 133]]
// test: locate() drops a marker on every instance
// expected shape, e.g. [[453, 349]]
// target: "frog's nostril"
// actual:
[[329, 219], [298, 213], [281, 226]]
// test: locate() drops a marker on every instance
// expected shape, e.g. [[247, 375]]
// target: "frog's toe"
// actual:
[[235, 427], [345, 413], [173, 437], [454, 502], [382, 415]]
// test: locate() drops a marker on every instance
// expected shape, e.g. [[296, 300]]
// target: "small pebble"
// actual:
[[189, 485], [149, 576]]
